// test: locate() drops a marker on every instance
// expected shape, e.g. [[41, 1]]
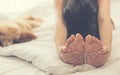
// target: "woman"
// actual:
[[84, 28]]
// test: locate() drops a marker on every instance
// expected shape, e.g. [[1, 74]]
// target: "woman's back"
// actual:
[[80, 16]]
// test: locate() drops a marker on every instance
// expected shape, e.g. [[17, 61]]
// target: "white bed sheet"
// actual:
[[15, 66]]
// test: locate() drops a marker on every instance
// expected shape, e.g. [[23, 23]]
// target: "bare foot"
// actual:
[[76, 44], [96, 54], [69, 40]]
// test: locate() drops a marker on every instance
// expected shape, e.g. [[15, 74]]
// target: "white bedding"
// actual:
[[45, 43]]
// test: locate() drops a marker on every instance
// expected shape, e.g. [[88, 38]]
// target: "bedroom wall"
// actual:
[[9, 6], [13, 6]]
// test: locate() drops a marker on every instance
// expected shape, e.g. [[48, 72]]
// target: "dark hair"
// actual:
[[80, 16]]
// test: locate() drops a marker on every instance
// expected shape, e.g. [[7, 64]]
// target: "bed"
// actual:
[[18, 60]]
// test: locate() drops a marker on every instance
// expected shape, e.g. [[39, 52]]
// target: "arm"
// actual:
[[104, 20], [61, 33]]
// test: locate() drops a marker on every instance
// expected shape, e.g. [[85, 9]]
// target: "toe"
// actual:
[[69, 40], [88, 39], [79, 37], [96, 40], [101, 43], [72, 38], [67, 43]]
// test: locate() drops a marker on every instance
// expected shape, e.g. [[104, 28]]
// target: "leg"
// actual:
[[76, 44], [96, 54]]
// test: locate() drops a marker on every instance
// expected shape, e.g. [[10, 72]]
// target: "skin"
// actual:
[[60, 36], [104, 20], [105, 30]]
